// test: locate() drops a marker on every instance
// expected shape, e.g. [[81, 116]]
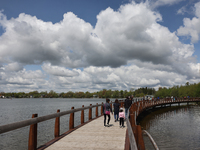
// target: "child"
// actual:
[[121, 117]]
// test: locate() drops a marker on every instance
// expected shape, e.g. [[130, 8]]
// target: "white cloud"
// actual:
[[124, 77], [119, 36], [59, 71], [95, 78], [182, 10], [191, 26], [22, 80], [157, 3], [13, 67], [127, 48]]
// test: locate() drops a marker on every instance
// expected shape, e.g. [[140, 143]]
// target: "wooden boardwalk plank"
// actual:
[[93, 136]]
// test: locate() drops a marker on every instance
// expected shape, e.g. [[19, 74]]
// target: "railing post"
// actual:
[[102, 109], [32, 144], [71, 120], [133, 125], [127, 145], [90, 113], [97, 114], [57, 126], [122, 104], [140, 140], [132, 119], [82, 115]]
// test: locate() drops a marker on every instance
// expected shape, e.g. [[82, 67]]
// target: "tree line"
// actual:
[[192, 90], [100, 94]]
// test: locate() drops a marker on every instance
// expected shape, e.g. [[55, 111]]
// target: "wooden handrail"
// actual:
[[35, 120], [140, 106], [151, 139], [20, 124], [133, 145]]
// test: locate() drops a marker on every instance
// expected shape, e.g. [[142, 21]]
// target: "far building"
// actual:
[[95, 96]]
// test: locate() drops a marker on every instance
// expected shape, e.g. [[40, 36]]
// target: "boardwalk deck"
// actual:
[[93, 136]]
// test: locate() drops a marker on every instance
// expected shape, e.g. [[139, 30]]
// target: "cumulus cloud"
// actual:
[[59, 71], [23, 80], [126, 48], [15, 66], [94, 78], [157, 3], [124, 77], [191, 26], [188, 8], [132, 32]]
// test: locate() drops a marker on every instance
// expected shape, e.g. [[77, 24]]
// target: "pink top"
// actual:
[[121, 115]]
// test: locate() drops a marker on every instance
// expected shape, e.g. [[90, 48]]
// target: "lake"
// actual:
[[175, 128], [14, 110]]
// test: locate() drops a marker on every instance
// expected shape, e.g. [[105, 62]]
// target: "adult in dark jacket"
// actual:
[[106, 107], [127, 104], [116, 109]]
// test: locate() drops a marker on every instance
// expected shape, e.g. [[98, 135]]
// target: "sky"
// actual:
[[90, 45]]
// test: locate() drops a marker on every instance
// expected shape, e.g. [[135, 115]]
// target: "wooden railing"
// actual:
[[32, 145], [33, 123], [137, 143]]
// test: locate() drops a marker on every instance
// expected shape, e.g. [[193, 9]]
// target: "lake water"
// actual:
[[175, 128], [22, 109]]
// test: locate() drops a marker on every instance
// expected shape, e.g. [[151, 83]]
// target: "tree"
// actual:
[[122, 94], [53, 94], [116, 94], [69, 94], [187, 84], [88, 94]]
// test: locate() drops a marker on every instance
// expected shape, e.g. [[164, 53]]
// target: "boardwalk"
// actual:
[[93, 136]]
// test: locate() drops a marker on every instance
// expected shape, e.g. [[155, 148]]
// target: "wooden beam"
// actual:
[[57, 126], [32, 144], [71, 120]]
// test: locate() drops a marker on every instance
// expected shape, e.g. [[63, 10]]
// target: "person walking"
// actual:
[[116, 109], [106, 111], [127, 104], [121, 118]]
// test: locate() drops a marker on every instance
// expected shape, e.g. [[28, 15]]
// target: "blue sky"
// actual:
[[90, 45]]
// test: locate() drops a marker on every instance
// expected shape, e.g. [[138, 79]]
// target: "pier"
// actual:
[[92, 134]]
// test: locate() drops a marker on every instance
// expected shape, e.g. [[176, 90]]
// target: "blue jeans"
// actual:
[[126, 112], [116, 116]]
